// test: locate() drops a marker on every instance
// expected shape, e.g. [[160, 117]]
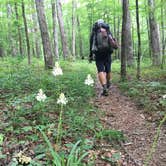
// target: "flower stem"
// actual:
[[59, 131]]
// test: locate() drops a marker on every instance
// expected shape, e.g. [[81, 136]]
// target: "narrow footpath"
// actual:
[[120, 113]]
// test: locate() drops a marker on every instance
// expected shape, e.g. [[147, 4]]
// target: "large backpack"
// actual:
[[100, 40]]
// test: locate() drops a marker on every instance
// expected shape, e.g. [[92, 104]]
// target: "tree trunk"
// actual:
[[80, 38], [12, 46], [36, 30], [149, 38], [48, 58], [1, 50], [118, 33], [162, 33], [139, 41], [62, 30], [155, 44], [128, 45], [73, 28], [26, 32], [19, 31], [55, 30], [124, 43]]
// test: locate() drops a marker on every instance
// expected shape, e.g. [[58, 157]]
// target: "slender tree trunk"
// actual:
[[124, 39], [139, 41], [162, 34], [62, 30], [129, 49], [155, 44], [13, 49], [149, 38], [80, 38], [48, 58], [118, 33], [55, 30], [74, 28], [115, 31], [1, 50], [26, 32], [36, 30], [18, 28]]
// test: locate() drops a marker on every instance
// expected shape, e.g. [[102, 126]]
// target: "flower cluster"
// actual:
[[41, 96], [23, 159], [164, 96], [62, 99], [89, 80], [57, 70]]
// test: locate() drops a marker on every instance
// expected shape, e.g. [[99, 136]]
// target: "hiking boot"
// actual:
[[105, 92], [108, 85]]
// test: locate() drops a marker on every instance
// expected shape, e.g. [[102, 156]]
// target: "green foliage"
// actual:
[[148, 92], [74, 157], [22, 112], [111, 135]]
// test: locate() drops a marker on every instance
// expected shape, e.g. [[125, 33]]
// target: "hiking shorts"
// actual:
[[103, 64]]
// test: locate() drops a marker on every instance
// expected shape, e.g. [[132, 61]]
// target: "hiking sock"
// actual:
[[105, 90]]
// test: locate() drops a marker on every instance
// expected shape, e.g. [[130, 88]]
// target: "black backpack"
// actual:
[[100, 40]]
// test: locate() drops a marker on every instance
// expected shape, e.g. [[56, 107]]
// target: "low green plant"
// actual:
[[73, 159], [154, 144], [112, 135]]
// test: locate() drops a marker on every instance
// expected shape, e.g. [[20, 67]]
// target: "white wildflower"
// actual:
[[22, 158], [164, 96], [62, 99], [57, 70], [89, 80], [41, 96]]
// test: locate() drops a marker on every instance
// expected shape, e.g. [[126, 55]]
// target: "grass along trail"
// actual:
[[120, 113]]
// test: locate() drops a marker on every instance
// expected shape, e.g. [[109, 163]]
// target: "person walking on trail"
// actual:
[[100, 51]]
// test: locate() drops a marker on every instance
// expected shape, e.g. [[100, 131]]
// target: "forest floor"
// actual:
[[139, 129]]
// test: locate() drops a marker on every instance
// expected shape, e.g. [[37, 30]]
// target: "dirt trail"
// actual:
[[122, 114]]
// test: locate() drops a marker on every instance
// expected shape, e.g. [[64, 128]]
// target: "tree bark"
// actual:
[[139, 42], [162, 34], [26, 32], [13, 49], [124, 38], [35, 31], [62, 30], [155, 44], [74, 28], [128, 45], [80, 38], [55, 30], [19, 31], [48, 58]]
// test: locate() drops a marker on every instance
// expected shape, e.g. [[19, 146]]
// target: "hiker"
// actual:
[[100, 51]]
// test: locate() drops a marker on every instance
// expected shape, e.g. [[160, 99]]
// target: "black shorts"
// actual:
[[103, 64]]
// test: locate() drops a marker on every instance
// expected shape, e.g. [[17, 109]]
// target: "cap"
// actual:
[[99, 21]]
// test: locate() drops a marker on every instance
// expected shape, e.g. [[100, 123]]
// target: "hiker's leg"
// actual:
[[108, 71], [109, 76], [103, 82], [102, 78]]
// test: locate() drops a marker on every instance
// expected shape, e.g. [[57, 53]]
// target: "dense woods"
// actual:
[[23, 34], [55, 116]]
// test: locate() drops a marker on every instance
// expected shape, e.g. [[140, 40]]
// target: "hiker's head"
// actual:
[[100, 21]]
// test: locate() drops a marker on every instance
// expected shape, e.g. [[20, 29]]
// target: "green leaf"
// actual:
[[1, 139]]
